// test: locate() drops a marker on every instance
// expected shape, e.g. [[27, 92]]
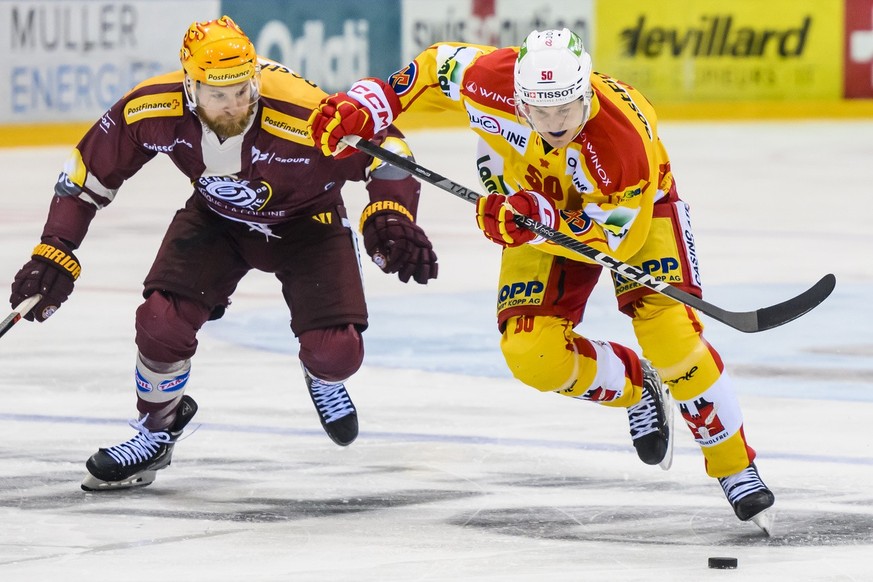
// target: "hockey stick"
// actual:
[[745, 321], [23, 309]]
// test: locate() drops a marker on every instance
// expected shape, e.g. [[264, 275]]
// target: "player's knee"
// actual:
[[672, 339], [167, 326], [535, 349], [333, 353]]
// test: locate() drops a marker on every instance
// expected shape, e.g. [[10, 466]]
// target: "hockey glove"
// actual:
[[365, 110], [51, 271], [398, 245], [495, 217]]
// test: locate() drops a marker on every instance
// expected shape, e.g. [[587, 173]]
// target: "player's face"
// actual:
[[226, 110], [558, 125]]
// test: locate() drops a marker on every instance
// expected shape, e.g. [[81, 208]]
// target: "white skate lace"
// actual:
[[331, 400], [740, 484], [643, 416], [140, 448]]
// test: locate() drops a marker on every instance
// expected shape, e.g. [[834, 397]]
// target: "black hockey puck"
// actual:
[[723, 563]]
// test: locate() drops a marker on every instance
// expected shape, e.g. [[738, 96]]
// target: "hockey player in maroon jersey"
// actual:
[[578, 151], [264, 198]]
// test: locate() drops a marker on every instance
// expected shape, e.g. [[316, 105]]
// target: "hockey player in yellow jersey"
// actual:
[[578, 151]]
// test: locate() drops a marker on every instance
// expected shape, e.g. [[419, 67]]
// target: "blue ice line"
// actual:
[[434, 438]]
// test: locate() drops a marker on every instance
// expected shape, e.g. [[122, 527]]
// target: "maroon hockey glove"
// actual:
[[398, 245], [51, 271], [495, 218]]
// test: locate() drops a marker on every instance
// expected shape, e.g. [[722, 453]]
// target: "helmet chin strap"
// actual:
[[190, 92]]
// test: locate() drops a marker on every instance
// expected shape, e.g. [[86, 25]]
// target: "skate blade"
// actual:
[[764, 520], [667, 461], [92, 483]]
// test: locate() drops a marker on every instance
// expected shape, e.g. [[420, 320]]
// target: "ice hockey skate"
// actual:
[[749, 497], [134, 463], [335, 409], [651, 421]]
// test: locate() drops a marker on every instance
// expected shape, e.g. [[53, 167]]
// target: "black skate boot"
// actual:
[[651, 421], [135, 462], [749, 497], [335, 409]]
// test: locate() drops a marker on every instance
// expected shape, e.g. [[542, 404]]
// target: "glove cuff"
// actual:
[[548, 215], [379, 98], [384, 206], [53, 251]]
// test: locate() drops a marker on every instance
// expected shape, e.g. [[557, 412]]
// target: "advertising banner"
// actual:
[[69, 60], [711, 50], [331, 42], [489, 22], [859, 49]]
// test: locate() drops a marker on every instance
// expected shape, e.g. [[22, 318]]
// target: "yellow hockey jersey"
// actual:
[[604, 183]]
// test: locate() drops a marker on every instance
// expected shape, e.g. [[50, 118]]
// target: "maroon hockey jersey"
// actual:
[[270, 173]]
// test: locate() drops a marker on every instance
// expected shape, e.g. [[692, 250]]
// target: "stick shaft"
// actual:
[[746, 321], [20, 310]]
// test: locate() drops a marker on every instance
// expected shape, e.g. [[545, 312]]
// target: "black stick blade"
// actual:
[[782, 313]]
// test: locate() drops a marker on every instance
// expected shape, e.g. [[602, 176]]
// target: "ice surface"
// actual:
[[460, 472]]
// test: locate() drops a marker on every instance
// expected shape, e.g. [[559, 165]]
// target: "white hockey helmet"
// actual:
[[553, 85], [553, 68]]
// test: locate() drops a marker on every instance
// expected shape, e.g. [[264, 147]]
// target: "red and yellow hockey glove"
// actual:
[[495, 216], [369, 107]]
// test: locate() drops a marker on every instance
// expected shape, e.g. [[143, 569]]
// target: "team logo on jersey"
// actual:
[[242, 194], [577, 221], [159, 105], [403, 80]]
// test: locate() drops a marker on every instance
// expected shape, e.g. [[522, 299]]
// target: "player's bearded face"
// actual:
[[226, 110], [558, 125]]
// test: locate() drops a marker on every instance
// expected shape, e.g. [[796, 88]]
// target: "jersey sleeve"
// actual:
[[391, 188], [109, 153], [433, 81]]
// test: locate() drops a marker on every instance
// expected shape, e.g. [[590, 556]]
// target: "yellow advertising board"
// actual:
[[679, 51]]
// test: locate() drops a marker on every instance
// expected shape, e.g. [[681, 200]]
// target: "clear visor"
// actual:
[[557, 124], [226, 97]]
